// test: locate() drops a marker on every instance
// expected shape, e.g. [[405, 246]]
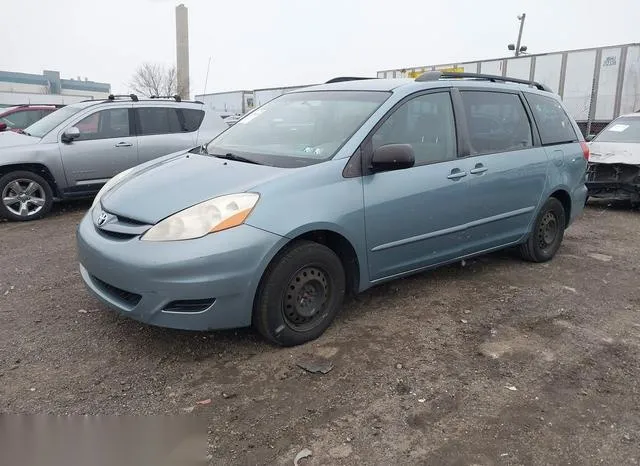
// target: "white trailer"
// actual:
[[596, 84], [229, 103], [262, 96]]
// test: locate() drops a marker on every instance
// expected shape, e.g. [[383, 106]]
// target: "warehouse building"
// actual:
[[47, 88]]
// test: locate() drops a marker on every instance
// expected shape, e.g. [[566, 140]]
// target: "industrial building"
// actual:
[[47, 88], [239, 102], [596, 84]]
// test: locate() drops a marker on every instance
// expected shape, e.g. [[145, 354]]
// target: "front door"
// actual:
[[105, 147], [414, 217], [507, 173]]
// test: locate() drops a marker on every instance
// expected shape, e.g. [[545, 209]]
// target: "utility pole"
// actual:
[[182, 51], [518, 49], [521, 18]]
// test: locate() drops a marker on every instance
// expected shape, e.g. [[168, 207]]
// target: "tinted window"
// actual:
[[21, 119], [426, 123], [105, 124], [192, 119], [158, 120], [497, 122], [625, 129], [553, 122]]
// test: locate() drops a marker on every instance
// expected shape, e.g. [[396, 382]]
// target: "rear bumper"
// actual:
[[144, 280]]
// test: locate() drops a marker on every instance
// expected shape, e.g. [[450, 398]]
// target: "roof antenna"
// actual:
[[206, 79]]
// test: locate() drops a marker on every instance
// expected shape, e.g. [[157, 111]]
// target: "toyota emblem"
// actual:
[[102, 219]]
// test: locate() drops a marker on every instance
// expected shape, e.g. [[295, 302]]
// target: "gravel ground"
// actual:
[[495, 362]]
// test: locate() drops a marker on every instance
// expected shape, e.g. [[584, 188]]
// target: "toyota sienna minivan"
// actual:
[[331, 190]]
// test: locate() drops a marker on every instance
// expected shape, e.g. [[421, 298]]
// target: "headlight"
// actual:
[[108, 185], [216, 214]]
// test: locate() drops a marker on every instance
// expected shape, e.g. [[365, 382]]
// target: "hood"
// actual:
[[171, 185], [615, 152], [13, 139]]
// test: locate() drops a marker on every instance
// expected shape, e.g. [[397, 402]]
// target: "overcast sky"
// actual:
[[268, 43]]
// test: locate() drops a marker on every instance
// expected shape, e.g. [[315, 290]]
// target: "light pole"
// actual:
[[518, 49]]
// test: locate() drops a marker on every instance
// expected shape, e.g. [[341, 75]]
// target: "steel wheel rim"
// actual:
[[548, 230], [305, 298], [23, 197]]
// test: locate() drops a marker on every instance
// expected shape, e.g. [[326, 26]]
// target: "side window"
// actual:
[[20, 119], [158, 120], [105, 124], [497, 122], [425, 122], [192, 119], [553, 122]]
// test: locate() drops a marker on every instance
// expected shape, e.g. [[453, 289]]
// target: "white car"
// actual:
[[614, 165]]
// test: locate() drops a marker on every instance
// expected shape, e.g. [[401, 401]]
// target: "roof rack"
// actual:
[[116, 96], [37, 105], [436, 75], [345, 78], [176, 97]]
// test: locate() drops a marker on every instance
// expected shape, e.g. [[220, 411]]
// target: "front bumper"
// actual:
[[144, 280], [614, 191], [614, 181]]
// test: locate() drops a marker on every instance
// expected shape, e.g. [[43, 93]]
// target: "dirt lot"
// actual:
[[495, 362]]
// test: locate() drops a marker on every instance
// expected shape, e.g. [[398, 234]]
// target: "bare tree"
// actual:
[[153, 79]]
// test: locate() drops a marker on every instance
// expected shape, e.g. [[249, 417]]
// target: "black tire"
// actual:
[[38, 203], [547, 233], [300, 294]]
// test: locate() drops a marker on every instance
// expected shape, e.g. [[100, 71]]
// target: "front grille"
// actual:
[[116, 235], [190, 305], [132, 299]]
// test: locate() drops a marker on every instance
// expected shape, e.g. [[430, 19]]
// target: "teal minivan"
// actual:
[[333, 189]]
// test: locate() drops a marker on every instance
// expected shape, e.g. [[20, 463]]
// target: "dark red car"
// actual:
[[19, 117]]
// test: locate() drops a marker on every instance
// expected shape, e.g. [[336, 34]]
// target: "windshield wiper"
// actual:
[[235, 157]]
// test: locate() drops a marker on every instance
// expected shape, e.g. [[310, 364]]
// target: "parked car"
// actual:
[[19, 117], [334, 189], [614, 168], [77, 149]]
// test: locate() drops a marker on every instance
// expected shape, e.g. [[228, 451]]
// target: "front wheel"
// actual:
[[300, 294], [24, 196], [547, 233]]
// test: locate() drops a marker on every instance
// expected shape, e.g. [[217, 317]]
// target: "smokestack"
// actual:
[[182, 50]]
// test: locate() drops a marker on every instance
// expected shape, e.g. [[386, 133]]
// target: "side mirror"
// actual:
[[3, 126], [70, 134], [590, 137], [393, 157]]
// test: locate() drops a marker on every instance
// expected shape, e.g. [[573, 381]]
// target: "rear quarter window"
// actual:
[[158, 120], [553, 122], [192, 119]]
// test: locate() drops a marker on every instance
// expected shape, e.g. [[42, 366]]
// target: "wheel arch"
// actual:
[[37, 168], [332, 236], [562, 195]]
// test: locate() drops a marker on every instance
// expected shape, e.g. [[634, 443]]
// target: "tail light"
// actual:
[[585, 150]]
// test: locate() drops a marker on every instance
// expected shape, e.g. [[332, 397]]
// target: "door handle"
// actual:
[[456, 174], [479, 168], [124, 144]]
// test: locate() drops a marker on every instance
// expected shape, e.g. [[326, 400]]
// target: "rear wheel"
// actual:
[[300, 294], [24, 196], [547, 233]]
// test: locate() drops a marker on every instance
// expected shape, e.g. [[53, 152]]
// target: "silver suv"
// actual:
[[74, 151]]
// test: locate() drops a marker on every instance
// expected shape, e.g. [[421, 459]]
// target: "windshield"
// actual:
[[621, 130], [298, 129], [53, 119]]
